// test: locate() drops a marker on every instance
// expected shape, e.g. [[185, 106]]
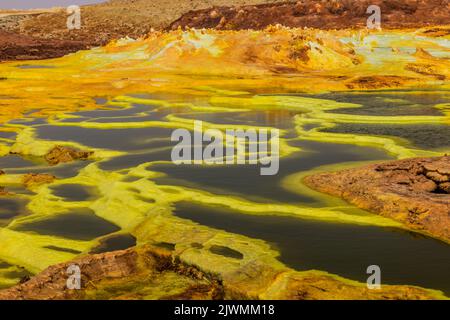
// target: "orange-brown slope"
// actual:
[[44, 34], [414, 191], [101, 23], [14, 46]]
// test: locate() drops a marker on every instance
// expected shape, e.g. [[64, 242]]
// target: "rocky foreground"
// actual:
[[414, 191], [150, 272]]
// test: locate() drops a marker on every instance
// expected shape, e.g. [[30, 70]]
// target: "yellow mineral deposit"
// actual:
[[211, 72]]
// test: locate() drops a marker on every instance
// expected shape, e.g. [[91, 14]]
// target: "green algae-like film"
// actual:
[[352, 127]]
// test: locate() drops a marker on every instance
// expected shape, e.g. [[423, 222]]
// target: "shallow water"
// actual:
[[345, 249], [115, 139], [388, 103], [423, 136], [74, 192], [33, 66], [116, 242], [404, 257], [246, 181], [79, 224], [14, 161], [11, 206], [65, 170]]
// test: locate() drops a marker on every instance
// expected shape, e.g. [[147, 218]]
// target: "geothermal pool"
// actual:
[[340, 99], [96, 205]]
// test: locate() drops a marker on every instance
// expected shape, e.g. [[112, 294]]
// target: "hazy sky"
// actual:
[[27, 4]]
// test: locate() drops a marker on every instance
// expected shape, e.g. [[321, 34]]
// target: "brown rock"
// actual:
[[411, 191], [336, 14], [60, 154], [14, 46], [316, 286], [441, 167], [3, 192], [150, 272], [222, 23], [375, 82], [214, 14], [32, 179], [111, 270], [445, 187], [437, 177]]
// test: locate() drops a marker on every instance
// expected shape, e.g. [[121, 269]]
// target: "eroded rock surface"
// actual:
[[150, 272], [60, 154], [32, 179], [129, 274], [413, 191], [15, 46], [43, 34], [334, 14]]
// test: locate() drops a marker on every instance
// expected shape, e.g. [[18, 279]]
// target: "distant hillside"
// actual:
[[320, 14], [116, 19]]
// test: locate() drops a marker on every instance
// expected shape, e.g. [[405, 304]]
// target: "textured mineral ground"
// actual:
[[41, 35], [32, 179], [15, 46], [150, 272], [140, 227], [34, 34], [61, 154], [414, 191]]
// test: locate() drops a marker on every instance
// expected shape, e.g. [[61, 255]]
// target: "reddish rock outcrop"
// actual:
[[412, 191], [103, 275], [60, 154], [321, 14], [150, 272], [32, 179], [375, 82], [14, 46]]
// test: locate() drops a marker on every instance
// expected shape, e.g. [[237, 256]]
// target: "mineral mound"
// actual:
[[60, 154], [43, 34], [32, 179], [413, 191]]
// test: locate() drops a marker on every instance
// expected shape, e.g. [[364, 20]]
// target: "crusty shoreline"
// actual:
[[413, 191], [150, 272]]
